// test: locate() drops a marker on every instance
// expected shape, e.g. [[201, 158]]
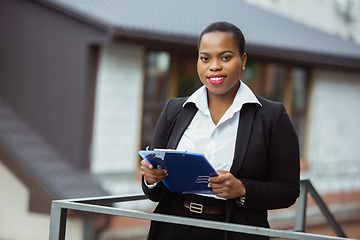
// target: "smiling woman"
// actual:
[[248, 139], [219, 67]]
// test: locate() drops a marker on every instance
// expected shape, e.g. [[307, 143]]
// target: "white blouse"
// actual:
[[216, 142]]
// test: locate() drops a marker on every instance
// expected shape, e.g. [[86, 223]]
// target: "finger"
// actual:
[[151, 181], [216, 179], [220, 179], [154, 178], [219, 193], [146, 169], [224, 177], [146, 164], [213, 179], [222, 195], [155, 172], [221, 172], [151, 178], [215, 186], [217, 190]]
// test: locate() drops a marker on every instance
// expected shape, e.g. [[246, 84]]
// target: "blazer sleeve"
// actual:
[[279, 188]]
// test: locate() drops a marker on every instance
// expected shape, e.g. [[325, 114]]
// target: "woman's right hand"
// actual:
[[150, 174]]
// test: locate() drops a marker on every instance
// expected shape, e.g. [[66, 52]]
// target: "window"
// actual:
[[188, 81], [157, 80], [281, 83]]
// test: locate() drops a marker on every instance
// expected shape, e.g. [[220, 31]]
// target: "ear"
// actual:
[[243, 61]]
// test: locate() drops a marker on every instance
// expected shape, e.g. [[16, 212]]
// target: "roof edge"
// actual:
[[304, 57], [76, 14], [121, 33]]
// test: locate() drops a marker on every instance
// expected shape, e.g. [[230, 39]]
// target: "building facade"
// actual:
[[91, 78]]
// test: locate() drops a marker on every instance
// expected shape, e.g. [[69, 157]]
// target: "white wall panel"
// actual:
[[16, 222], [118, 109], [334, 143]]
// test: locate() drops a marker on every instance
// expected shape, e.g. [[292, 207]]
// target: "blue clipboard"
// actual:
[[187, 172]]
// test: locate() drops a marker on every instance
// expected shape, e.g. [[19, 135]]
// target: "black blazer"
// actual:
[[266, 160]]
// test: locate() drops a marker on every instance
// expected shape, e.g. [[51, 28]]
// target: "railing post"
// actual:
[[57, 222], [301, 204], [329, 217]]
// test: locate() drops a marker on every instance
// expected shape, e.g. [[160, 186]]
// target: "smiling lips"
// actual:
[[216, 79]]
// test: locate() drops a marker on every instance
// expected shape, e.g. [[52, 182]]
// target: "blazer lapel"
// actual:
[[186, 114], [247, 114], [243, 135]]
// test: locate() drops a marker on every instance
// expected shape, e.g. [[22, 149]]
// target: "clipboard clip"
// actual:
[[202, 179], [166, 150], [169, 150]]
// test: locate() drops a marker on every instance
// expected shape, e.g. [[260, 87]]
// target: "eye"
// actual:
[[226, 58], [204, 59]]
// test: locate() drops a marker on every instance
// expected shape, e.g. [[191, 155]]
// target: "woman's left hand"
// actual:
[[227, 186]]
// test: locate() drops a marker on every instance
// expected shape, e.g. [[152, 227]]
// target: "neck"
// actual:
[[219, 104], [223, 100]]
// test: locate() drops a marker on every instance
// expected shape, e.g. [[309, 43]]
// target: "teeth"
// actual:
[[216, 78]]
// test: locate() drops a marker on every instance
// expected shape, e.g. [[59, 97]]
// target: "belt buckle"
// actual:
[[196, 207]]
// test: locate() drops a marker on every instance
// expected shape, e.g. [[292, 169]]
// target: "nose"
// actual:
[[215, 65]]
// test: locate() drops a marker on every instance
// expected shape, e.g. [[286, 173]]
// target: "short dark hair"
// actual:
[[238, 36]]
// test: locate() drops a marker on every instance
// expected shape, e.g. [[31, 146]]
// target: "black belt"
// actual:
[[200, 208]]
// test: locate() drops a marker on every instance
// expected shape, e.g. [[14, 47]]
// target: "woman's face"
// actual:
[[219, 64]]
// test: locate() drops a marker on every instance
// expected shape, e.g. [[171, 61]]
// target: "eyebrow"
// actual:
[[221, 53]]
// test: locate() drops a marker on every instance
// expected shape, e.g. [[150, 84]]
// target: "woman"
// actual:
[[248, 139]]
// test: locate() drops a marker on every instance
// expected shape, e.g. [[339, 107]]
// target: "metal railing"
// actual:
[[95, 205], [300, 219]]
